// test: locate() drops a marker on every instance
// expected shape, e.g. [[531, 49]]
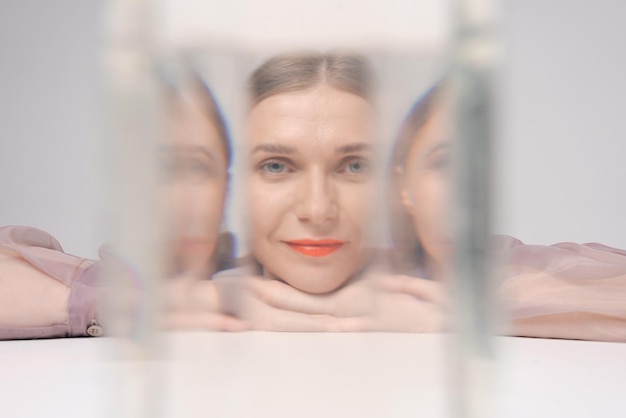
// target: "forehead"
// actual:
[[191, 126], [431, 135], [323, 114]]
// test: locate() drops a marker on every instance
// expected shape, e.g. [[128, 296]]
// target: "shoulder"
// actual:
[[14, 235]]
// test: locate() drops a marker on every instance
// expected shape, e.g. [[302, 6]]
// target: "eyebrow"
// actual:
[[440, 146], [274, 149], [190, 149], [356, 147], [286, 149]]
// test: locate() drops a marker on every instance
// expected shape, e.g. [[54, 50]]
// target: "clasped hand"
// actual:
[[373, 302]]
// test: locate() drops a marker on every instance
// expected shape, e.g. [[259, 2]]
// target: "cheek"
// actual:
[[211, 204], [357, 202], [195, 209], [429, 196], [268, 204], [175, 202]]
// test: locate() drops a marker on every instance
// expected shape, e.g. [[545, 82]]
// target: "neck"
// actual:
[[203, 270]]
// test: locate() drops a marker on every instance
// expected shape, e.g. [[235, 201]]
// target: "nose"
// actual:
[[317, 199]]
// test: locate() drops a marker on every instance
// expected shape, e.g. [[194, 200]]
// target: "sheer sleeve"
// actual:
[[44, 292], [565, 290]]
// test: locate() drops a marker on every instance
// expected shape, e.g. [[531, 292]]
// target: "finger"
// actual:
[[288, 321], [190, 295], [284, 297], [429, 290], [207, 322], [401, 312], [358, 324], [229, 295], [175, 295], [203, 297]]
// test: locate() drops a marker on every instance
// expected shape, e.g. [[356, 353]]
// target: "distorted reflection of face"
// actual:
[[196, 179], [425, 192], [311, 186]]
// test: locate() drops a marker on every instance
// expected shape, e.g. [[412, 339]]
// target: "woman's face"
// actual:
[[311, 186], [196, 178], [425, 192]]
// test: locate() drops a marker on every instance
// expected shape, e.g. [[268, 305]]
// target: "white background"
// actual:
[[560, 154], [49, 119], [563, 152]]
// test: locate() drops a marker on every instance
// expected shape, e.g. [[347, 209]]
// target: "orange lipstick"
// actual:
[[315, 247]]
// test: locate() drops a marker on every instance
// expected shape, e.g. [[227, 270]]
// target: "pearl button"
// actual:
[[94, 330]]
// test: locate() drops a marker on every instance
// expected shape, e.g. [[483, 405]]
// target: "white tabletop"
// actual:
[[300, 375]]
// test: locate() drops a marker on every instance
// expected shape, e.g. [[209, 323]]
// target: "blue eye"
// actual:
[[356, 166], [189, 168], [198, 167], [441, 162], [274, 167]]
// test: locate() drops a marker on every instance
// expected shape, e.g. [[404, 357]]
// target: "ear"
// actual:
[[405, 197], [407, 202]]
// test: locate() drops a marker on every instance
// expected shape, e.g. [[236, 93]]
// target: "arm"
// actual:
[[573, 291], [568, 291], [372, 302], [44, 292]]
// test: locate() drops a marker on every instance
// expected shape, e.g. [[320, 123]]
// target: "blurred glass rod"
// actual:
[[474, 63], [134, 128]]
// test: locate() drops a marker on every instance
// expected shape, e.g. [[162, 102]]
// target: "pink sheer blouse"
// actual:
[[560, 291], [43, 254], [582, 287]]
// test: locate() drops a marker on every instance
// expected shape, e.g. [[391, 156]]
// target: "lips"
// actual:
[[315, 248]]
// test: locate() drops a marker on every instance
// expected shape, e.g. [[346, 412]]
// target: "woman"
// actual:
[[311, 192], [418, 194], [562, 291], [47, 293], [197, 159], [537, 281], [311, 144]]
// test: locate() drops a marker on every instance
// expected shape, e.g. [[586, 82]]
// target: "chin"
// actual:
[[309, 280]]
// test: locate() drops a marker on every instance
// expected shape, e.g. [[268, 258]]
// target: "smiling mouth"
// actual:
[[315, 248]]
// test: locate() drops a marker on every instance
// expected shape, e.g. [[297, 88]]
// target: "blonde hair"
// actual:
[[304, 70]]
